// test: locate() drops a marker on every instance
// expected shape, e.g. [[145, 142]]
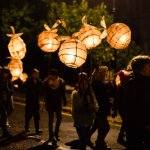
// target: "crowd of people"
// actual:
[[90, 104]]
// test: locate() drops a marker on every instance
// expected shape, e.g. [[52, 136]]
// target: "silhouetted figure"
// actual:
[[54, 89], [83, 110], [122, 78], [137, 104], [33, 87], [101, 92], [6, 91]]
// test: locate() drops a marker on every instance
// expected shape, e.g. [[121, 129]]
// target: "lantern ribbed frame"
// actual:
[[16, 67], [17, 48], [119, 35], [73, 53], [47, 41], [90, 36]]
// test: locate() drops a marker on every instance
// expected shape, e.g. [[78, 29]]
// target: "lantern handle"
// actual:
[[56, 24]]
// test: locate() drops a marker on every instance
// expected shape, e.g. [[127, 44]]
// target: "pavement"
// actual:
[[68, 135]]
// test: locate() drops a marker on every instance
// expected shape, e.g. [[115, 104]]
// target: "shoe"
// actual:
[[39, 132]]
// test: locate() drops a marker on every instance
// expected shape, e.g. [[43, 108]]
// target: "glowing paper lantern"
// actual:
[[89, 35], [73, 53], [16, 67], [47, 40], [119, 35], [16, 46]]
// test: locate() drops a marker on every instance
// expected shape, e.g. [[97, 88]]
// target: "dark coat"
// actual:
[[101, 93], [54, 97], [137, 101], [33, 91]]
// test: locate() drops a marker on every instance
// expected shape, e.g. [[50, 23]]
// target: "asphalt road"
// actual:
[[68, 134]]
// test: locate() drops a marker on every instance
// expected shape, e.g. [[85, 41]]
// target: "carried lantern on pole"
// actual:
[[16, 68], [90, 35], [119, 35], [16, 46], [47, 40], [73, 53]]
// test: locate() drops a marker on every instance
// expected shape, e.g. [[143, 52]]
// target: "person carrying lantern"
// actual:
[[54, 95]]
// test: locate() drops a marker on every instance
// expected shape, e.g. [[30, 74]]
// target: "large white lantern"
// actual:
[[16, 68], [73, 53], [119, 35], [16, 46]]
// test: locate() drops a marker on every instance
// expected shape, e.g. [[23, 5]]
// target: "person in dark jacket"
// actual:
[[54, 89], [33, 87], [121, 80], [137, 104], [102, 96], [6, 91]]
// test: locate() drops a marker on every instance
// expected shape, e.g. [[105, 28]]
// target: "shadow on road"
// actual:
[[16, 138], [75, 144], [44, 146]]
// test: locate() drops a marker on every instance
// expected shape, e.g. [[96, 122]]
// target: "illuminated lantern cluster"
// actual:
[[16, 68], [16, 46], [119, 35], [73, 53]]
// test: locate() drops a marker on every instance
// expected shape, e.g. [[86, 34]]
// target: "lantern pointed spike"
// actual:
[[56, 24], [102, 22], [47, 27], [63, 23], [13, 29], [84, 20], [104, 34]]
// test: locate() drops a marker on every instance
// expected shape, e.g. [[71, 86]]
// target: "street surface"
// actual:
[[68, 134]]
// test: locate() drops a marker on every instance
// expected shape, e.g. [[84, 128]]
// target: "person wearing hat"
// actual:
[[33, 87], [6, 91], [55, 98]]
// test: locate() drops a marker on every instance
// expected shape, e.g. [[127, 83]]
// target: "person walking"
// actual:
[[122, 78], [54, 93], [6, 91], [101, 92], [33, 87], [83, 110], [137, 104]]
